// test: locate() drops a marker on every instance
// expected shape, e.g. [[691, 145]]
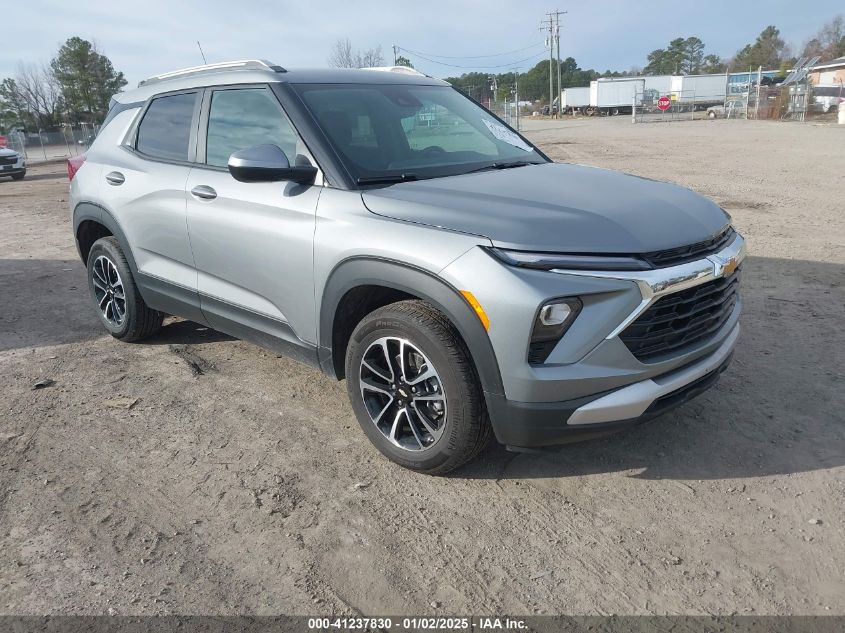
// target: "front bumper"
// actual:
[[591, 382], [535, 424], [11, 170]]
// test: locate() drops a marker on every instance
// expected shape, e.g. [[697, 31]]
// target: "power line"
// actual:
[[512, 63], [518, 50]]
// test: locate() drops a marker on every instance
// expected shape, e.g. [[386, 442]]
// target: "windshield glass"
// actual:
[[406, 132]]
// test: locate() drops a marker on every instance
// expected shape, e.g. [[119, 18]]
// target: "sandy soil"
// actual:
[[239, 482]]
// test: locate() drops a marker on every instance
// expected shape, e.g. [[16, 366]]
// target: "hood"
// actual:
[[5, 151], [556, 207]]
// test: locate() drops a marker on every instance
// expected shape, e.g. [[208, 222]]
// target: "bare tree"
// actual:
[[341, 55], [33, 95], [344, 56], [371, 57], [829, 42]]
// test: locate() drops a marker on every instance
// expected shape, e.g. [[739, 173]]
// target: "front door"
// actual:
[[252, 242]]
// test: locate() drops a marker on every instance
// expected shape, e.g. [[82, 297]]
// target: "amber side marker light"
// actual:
[[479, 311]]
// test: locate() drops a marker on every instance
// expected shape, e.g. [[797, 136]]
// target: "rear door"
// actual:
[[252, 242], [145, 186]]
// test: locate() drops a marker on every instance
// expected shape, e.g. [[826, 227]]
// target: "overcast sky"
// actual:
[[156, 36]]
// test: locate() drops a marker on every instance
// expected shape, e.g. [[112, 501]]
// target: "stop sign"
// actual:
[[664, 102]]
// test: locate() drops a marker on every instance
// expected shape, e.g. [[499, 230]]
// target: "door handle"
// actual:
[[203, 192], [115, 178]]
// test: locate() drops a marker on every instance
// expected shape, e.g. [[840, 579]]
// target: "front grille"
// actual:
[[682, 319], [8, 160], [683, 254]]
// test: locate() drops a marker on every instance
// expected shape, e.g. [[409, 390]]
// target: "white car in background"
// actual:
[[12, 164]]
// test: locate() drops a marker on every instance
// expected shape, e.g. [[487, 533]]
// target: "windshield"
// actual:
[[386, 133]]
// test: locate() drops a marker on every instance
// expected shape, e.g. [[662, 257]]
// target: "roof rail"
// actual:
[[402, 70], [244, 64]]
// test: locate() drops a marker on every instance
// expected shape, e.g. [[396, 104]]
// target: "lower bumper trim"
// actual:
[[529, 425], [633, 401]]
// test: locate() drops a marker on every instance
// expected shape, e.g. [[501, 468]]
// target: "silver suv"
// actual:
[[383, 227]]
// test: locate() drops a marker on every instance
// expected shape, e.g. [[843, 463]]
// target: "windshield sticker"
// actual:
[[504, 134]]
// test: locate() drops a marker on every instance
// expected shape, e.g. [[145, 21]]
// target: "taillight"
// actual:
[[73, 165]]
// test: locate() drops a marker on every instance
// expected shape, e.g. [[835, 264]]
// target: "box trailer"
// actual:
[[574, 99], [611, 95], [699, 91]]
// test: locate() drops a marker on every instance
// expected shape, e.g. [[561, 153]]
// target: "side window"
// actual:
[[165, 131], [239, 119]]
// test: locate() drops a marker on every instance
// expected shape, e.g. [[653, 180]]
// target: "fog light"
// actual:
[[555, 313], [551, 323]]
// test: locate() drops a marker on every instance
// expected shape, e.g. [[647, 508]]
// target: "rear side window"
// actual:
[[242, 118], [165, 131]]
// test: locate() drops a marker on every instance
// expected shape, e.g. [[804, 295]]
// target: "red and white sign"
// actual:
[[664, 103]]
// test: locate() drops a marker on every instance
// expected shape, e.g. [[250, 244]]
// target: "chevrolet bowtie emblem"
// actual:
[[724, 266], [729, 266]]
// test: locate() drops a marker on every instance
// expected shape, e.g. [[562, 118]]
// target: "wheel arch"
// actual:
[[87, 216], [411, 282]]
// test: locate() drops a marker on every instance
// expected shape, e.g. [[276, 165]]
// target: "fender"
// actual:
[[90, 211], [363, 271]]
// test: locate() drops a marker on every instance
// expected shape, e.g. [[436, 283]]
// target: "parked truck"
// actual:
[[610, 95], [574, 100], [699, 92]]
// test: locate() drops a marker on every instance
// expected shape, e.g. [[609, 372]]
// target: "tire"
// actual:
[[451, 400], [711, 114], [19, 176], [108, 273]]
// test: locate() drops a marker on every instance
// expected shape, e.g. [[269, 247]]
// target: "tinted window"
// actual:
[[242, 118], [165, 131]]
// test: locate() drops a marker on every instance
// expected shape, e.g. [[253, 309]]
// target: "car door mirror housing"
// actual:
[[268, 163]]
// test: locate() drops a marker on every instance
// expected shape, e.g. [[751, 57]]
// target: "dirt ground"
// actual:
[[239, 482]]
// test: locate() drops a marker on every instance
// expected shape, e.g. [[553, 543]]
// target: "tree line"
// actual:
[[682, 56], [74, 87]]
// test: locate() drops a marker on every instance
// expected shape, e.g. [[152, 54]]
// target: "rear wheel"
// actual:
[[414, 390], [120, 306]]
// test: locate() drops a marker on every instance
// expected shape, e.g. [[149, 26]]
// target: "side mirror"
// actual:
[[268, 163]]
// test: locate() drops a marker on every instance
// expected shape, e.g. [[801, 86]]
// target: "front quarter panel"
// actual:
[[353, 246]]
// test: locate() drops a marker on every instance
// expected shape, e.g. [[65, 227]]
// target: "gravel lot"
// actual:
[[239, 482]]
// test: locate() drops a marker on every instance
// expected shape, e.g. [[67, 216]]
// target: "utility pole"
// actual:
[[395, 55], [549, 27], [557, 39], [552, 26]]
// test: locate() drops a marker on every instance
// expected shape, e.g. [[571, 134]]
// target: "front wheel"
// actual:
[[414, 389], [19, 175], [119, 305]]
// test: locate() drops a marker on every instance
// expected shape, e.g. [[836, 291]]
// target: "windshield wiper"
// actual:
[[511, 165], [386, 180]]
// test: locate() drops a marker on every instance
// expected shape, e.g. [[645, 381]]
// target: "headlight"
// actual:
[[550, 261], [551, 323]]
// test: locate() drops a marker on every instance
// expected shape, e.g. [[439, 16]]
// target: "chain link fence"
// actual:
[[41, 145], [685, 105]]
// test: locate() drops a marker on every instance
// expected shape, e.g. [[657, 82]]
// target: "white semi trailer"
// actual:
[[574, 99], [611, 95], [699, 91]]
